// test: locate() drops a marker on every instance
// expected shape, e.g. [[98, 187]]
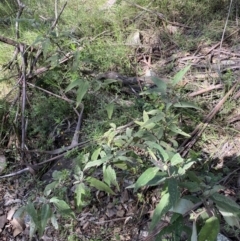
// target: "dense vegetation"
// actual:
[[122, 107]]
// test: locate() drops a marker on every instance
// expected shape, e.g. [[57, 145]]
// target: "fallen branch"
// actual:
[[199, 92], [188, 144]]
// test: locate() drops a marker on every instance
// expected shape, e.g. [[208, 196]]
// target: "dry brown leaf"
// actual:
[[16, 232], [3, 163], [11, 212], [18, 226], [110, 212], [3, 221], [120, 213]]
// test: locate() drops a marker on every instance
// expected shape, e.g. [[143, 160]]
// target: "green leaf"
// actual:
[[46, 214], [98, 162], [82, 90], [149, 124], [176, 159], [210, 230], [179, 76], [162, 152], [191, 186], [231, 219], [45, 47], [73, 84], [32, 229], [80, 193], [182, 206], [145, 177], [163, 207], [226, 203], [63, 207], [96, 154], [193, 177], [100, 185], [161, 85], [109, 176], [173, 191], [54, 221], [177, 130], [186, 105], [110, 108], [129, 132], [32, 212], [48, 189], [194, 231], [145, 116]]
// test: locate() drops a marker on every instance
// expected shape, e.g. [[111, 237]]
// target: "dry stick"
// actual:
[[187, 144], [199, 92], [23, 80], [224, 30], [57, 18]]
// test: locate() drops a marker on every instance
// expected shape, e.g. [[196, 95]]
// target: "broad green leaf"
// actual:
[[46, 214], [226, 203], [152, 154], [176, 159], [159, 178], [82, 90], [100, 185], [212, 191], [191, 186], [179, 76], [162, 86], [80, 193], [109, 176], [19, 212], [129, 132], [185, 167], [119, 142], [32, 212], [162, 208], [45, 47], [110, 108], [193, 177], [145, 116], [182, 206], [98, 162], [48, 189], [63, 207], [194, 231], [121, 165], [73, 84], [145, 177], [186, 105], [173, 191], [210, 230], [162, 152], [96, 154], [54, 221], [177, 130], [32, 229], [154, 119], [231, 219]]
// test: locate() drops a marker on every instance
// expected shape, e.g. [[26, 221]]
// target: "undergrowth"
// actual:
[[134, 136]]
